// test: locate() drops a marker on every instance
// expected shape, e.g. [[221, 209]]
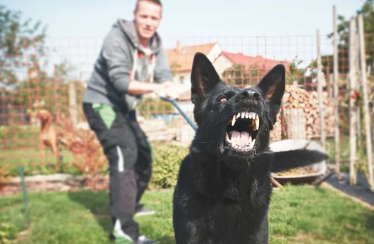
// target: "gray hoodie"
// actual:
[[121, 60]]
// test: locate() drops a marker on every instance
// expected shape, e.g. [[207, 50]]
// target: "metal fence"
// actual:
[[55, 82]]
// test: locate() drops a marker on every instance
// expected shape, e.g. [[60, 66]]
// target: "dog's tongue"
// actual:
[[241, 139]]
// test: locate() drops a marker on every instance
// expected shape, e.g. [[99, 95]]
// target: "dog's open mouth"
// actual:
[[241, 131]]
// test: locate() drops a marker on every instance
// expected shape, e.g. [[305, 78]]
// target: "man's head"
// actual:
[[147, 16]]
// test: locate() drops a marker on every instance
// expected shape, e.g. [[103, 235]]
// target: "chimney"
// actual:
[[179, 47]]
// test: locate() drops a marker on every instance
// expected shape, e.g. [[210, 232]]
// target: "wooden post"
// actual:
[[295, 118], [73, 104], [358, 88], [352, 101], [57, 114], [320, 91], [336, 97], [366, 101]]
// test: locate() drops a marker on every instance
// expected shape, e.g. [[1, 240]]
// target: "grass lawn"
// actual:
[[20, 146], [31, 161], [298, 214]]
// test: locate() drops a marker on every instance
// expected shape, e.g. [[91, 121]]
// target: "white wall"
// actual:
[[221, 64]]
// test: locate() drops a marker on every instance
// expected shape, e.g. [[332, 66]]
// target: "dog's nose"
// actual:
[[249, 95]]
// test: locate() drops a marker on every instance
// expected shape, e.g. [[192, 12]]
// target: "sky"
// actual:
[[76, 28], [93, 18]]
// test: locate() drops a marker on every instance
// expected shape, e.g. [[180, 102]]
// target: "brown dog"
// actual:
[[48, 134]]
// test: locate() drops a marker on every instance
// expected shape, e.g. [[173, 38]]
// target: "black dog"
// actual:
[[224, 185]]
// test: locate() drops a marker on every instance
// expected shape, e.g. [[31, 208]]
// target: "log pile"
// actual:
[[301, 107]]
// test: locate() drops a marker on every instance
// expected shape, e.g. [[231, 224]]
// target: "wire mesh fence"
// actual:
[[53, 81]]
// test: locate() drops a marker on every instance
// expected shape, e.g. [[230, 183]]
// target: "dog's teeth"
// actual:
[[243, 115], [227, 138], [238, 116], [252, 144], [246, 115], [233, 120], [257, 122]]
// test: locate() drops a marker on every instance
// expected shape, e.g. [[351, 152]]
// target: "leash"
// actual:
[[175, 104]]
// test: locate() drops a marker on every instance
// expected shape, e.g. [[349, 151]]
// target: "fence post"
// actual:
[[73, 104], [366, 101], [24, 193], [336, 98], [320, 91], [57, 111], [352, 101]]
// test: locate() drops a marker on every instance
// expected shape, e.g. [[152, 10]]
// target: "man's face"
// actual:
[[147, 18]]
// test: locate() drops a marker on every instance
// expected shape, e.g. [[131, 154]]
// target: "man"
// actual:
[[131, 63]]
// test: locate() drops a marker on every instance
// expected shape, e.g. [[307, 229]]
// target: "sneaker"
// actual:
[[144, 240], [118, 236], [122, 240], [117, 239], [140, 210]]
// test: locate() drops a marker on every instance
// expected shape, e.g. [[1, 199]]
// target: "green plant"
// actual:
[[7, 232], [4, 173], [166, 165], [89, 158], [152, 106]]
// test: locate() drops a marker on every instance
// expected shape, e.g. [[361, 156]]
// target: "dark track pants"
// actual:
[[130, 157]]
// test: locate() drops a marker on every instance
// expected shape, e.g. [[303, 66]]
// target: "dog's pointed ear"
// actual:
[[203, 77], [272, 87]]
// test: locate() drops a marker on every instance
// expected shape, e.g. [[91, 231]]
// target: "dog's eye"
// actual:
[[223, 99]]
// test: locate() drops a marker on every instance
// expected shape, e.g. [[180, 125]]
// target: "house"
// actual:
[[180, 59], [227, 60]]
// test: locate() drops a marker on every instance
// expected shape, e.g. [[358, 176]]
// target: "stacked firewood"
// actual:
[[300, 113]]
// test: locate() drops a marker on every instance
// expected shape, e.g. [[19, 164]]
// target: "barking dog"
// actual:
[[224, 186]]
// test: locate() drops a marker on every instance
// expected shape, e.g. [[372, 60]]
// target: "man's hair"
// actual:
[[158, 2]]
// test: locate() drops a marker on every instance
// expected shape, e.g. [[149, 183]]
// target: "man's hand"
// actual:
[[168, 89]]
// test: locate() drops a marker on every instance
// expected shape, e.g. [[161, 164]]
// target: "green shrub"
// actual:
[[166, 165], [152, 106], [7, 232]]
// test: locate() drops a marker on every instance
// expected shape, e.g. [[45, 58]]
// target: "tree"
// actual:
[[17, 37], [368, 14], [343, 33], [174, 67], [296, 73]]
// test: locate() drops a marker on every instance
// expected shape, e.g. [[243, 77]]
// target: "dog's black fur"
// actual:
[[222, 195]]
